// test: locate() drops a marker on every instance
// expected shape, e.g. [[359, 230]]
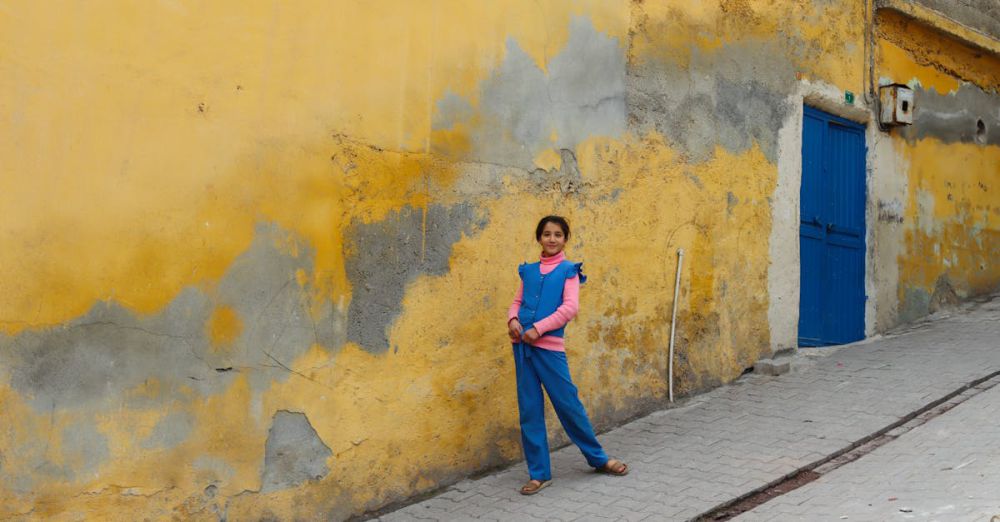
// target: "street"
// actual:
[[925, 393], [946, 469]]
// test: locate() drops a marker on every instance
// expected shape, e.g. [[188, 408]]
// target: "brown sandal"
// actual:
[[608, 469], [534, 486]]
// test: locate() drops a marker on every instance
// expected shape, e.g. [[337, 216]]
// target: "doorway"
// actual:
[[832, 230]]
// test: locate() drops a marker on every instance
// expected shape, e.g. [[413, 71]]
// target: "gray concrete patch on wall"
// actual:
[[733, 97], [969, 115], [386, 255], [981, 15], [752, 111], [171, 430], [524, 110], [946, 295], [278, 326], [91, 361], [215, 468], [916, 304], [293, 453], [84, 449]]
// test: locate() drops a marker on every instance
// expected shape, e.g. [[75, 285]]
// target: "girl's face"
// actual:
[[553, 240]]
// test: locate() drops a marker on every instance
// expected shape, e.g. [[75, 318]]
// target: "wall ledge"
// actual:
[[942, 23]]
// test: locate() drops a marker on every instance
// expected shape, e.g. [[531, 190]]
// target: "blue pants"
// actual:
[[537, 367]]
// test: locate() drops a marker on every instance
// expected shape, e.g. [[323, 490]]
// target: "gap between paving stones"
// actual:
[[851, 453]]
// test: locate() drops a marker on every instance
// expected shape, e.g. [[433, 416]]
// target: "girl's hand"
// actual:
[[514, 330], [531, 336]]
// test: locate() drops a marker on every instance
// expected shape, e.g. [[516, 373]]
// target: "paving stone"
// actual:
[[945, 469], [722, 444]]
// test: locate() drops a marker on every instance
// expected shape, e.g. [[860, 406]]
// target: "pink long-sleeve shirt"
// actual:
[[566, 311]]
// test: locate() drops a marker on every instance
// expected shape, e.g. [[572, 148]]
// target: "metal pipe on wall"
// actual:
[[673, 324]]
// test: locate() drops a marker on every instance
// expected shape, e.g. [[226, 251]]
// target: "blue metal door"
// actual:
[[832, 230]]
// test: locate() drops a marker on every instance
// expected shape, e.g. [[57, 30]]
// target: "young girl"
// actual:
[[548, 298]]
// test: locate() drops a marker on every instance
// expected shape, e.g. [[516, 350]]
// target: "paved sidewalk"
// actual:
[[733, 440], [947, 469]]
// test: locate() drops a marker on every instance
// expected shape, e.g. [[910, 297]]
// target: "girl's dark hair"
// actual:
[[559, 220]]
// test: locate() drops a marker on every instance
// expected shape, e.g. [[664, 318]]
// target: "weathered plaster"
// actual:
[[941, 217], [522, 109], [954, 117], [888, 189], [91, 362], [84, 450], [319, 200], [385, 256], [783, 275], [982, 15], [733, 96], [170, 431], [912, 48], [952, 225], [293, 454]]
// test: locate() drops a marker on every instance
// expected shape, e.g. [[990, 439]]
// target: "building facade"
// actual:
[[257, 256]]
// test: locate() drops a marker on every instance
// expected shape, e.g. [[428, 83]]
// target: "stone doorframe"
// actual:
[[881, 274]]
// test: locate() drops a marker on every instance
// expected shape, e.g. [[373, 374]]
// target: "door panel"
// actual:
[[832, 230], [813, 252]]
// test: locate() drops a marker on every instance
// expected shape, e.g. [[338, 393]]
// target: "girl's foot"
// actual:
[[614, 467], [534, 486]]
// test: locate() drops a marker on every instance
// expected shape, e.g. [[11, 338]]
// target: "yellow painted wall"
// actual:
[[146, 145], [951, 225]]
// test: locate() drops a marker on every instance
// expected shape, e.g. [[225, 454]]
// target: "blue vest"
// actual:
[[543, 293]]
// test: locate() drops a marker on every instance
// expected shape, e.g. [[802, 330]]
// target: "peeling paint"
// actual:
[[954, 117], [733, 96], [387, 255], [521, 107], [95, 360], [231, 313], [293, 454], [171, 430], [84, 449]]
